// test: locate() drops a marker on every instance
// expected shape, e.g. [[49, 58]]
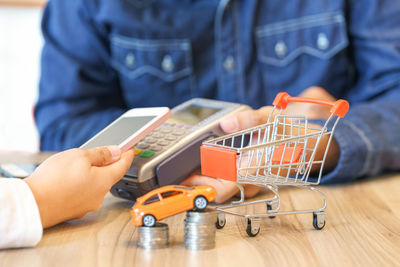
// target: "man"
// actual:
[[104, 57]]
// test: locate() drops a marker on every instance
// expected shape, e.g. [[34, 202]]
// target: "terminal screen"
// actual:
[[193, 114]]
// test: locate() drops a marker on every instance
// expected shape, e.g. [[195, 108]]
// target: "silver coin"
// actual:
[[200, 230], [199, 245], [207, 216], [153, 237]]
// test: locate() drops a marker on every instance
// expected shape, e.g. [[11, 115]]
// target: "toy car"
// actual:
[[170, 200]]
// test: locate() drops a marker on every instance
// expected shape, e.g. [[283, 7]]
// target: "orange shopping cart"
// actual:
[[282, 152]]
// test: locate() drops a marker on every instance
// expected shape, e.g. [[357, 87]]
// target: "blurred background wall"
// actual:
[[20, 45]]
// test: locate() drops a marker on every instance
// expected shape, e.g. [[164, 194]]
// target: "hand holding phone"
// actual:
[[129, 128]]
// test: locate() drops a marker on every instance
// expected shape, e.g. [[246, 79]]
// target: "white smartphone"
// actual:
[[129, 128]]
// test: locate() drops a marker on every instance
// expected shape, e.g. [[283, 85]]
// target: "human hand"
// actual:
[[71, 183], [251, 118], [312, 111]]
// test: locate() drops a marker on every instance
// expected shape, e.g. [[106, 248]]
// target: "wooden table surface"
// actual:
[[362, 229], [23, 2]]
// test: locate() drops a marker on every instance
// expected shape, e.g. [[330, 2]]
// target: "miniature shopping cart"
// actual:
[[286, 151]]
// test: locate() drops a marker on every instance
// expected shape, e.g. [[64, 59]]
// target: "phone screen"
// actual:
[[119, 131]]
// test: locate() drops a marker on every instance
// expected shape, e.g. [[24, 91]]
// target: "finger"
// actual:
[[225, 189], [245, 119], [317, 92], [312, 111], [115, 171], [101, 156], [251, 190]]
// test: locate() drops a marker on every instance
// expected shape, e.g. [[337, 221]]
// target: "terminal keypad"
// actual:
[[161, 138]]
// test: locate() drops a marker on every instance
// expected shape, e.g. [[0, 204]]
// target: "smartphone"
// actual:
[[129, 128]]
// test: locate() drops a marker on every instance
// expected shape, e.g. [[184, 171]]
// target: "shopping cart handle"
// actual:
[[339, 107]]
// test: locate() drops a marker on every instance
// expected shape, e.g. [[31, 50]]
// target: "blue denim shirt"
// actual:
[[102, 57]]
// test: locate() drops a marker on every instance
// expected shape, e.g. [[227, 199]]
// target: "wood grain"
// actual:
[[363, 229], [23, 2]]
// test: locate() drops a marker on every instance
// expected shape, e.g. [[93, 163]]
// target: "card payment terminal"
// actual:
[[172, 151]]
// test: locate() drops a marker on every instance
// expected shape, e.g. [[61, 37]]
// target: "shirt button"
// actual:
[[229, 63], [167, 64], [280, 49], [130, 60], [322, 41]]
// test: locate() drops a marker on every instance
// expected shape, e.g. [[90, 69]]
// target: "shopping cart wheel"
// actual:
[[318, 220], [221, 221], [269, 207], [253, 226]]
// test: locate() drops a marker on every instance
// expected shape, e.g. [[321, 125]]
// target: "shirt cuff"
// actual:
[[20, 225], [355, 152]]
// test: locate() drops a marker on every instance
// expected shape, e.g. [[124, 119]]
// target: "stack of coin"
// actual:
[[153, 237], [200, 230]]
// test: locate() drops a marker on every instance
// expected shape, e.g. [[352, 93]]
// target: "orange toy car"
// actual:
[[170, 200]]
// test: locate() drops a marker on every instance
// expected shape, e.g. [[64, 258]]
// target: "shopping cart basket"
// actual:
[[286, 150]]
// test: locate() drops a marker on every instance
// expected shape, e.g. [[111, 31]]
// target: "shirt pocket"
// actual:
[[165, 66], [299, 52]]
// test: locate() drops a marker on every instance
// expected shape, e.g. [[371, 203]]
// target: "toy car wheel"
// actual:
[[149, 220], [200, 203]]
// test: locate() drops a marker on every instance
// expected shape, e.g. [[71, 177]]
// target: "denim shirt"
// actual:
[[102, 57]]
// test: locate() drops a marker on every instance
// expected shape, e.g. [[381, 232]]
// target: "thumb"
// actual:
[[245, 119], [101, 156], [117, 169]]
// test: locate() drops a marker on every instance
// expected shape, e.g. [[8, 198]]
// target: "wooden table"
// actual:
[[363, 229], [23, 2]]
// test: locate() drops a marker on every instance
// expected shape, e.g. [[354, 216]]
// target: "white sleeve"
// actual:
[[20, 224]]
